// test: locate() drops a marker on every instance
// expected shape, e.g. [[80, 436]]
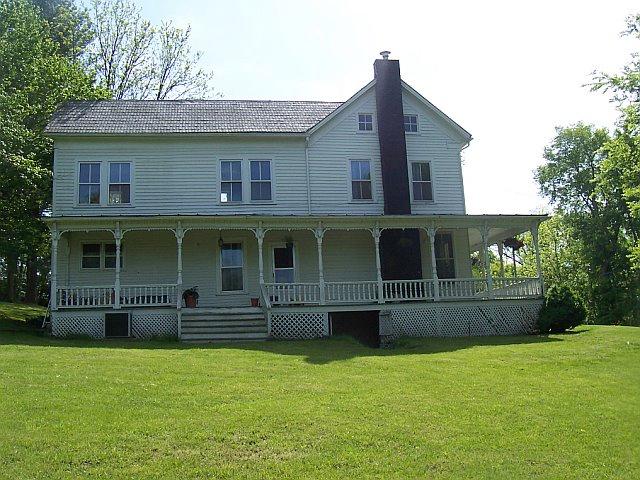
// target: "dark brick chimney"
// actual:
[[399, 249]]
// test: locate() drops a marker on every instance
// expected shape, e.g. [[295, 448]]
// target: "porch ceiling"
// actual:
[[501, 226]]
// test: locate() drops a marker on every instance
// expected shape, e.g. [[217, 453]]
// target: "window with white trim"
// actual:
[[445, 263], [411, 123], [421, 181], [260, 180], [91, 254], [284, 264], [119, 183], [231, 181], [231, 267], [100, 255], [365, 122], [89, 183], [361, 180]]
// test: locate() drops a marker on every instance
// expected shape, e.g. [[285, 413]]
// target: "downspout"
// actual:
[[306, 159]]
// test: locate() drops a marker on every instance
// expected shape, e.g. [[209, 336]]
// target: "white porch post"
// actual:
[[484, 231], [118, 237], [319, 233], [534, 235], [179, 232], [501, 255], [431, 232], [55, 237], [259, 233], [376, 239]]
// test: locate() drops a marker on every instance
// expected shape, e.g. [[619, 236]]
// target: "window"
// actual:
[[89, 184], [91, 255], [421, 181], [283, 264], [98, 255], [231, 181], [361, 179], [231, 265], [260, 180], [119, 183], [110, 255], [445, 265], [411, 123], [365, 122]]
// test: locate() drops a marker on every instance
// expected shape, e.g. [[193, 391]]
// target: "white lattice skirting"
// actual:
[[148, 324], [144, 323], [299, 325], [467, 319]]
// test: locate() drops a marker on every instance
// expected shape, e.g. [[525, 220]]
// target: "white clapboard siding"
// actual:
[[180, 175]]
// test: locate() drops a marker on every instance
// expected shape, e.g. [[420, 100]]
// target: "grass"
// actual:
[[562, 406], [16, 316]]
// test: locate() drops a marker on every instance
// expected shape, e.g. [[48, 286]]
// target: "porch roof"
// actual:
[[501, 226]]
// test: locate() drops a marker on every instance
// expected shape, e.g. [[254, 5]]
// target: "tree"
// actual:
[[135, 60], [34, 79]]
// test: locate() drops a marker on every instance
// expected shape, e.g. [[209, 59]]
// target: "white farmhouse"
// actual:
[[294, 219]]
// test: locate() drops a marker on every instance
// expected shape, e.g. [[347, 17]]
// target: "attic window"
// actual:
[[365, 122], [411, 123]]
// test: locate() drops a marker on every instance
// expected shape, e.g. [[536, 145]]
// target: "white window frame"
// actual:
[[130, 183], [220, 267], [273, 260], [241, 181], [102, 265], [78, 183], [412, 181], [358, 122], [270, 181], [351, 180], [417, 123]]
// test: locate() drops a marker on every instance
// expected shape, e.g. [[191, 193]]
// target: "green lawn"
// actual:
[[14, 316], [563, 406]]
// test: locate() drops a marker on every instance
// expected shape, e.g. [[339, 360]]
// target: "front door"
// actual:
[[284, 270]]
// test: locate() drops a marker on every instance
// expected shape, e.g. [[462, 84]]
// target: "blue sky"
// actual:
[[507, 72]]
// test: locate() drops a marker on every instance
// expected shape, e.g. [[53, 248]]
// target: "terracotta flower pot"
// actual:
[[190, 301], [255, 302]]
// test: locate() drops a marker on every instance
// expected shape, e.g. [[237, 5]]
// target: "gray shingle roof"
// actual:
[[131, 117]]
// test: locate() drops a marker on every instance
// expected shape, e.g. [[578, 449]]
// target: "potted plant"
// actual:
[[255, 302], [190, 297]]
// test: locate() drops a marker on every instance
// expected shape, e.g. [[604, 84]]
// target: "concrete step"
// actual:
[[224, 323], [216, 329], [221, 310], [222, 317], [208, 337]]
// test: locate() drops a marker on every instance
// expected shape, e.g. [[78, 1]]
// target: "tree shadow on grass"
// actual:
[[319, 352]]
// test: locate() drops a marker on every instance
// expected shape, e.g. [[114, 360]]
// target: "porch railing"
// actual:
[[159, 295], [351, 292], [293, 293], [459, 288], [516, 287], [80, 297], [406, 290]]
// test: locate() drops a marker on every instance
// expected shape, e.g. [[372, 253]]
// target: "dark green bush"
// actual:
[[561, 311]]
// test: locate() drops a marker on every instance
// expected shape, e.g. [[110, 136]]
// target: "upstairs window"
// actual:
[[421, 181], [231, 181], [89, 184], [411, 123], [260, 180], [119, 183], [365, 122], [231, 267], [361, 180]]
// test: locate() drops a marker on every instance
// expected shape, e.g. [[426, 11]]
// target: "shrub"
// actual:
[[561, 311]]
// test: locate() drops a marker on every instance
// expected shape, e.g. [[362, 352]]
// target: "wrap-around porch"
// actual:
[[342, 268]]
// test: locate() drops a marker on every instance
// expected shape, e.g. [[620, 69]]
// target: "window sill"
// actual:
[[356, 201], [423, 202], [232, 292]]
